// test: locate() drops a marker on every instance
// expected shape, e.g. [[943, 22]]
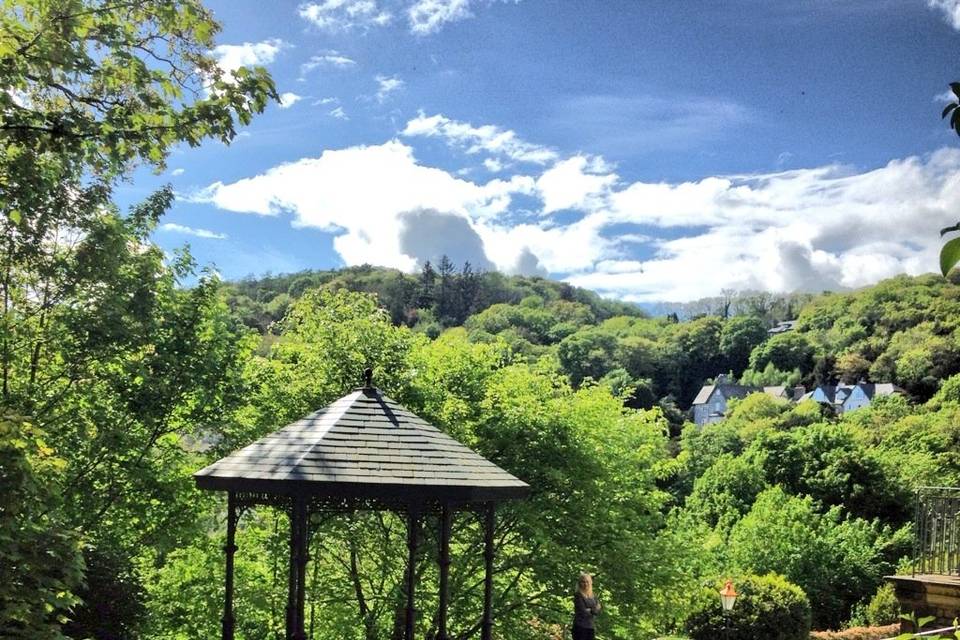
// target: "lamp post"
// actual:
[[728, 596]]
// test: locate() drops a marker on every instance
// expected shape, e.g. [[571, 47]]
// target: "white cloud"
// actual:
[[493, 165], [387, 85], [231, 57], [362, 194], [326, 59], [575, 183], [322, 101], [486, 138], [177, 172], [428, 16], [191, 231], [946, 96], [950, 9], [809, 229], [338, 113], [288, 99], [817, 228], [343, 15]]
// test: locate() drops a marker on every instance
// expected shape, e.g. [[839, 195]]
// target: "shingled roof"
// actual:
[[364, 445]]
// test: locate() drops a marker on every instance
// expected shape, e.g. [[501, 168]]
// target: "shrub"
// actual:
[[883, 607], [858, 633], [768, 607]]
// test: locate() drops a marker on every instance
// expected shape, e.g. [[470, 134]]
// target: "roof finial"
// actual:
[[368, 378]]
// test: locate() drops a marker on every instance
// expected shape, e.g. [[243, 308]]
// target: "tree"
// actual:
[[96, 85], [100, 347], [787, 351], [738, 337], [587, 353], [836, 561], [40, 561]]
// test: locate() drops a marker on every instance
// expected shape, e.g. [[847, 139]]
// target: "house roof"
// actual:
[[727, 389], [705, 393], [364, 445]]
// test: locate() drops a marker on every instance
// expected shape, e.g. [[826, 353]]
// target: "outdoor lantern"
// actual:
[[728, 596]]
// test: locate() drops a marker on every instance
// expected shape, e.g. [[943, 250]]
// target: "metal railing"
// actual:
[[937, 542]]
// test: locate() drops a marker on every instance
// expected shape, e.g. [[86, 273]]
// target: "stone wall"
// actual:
[[928, 595]]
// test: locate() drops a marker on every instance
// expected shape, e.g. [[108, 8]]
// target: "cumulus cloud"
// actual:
[[171, 227], [365, 196], [950, 10], [427, 234], [826, 227], [231, 57], [343, 15], [338, 113], [483, 139], [811, 229], [387, 85], [288, 99], [177, 172], [575, 183]]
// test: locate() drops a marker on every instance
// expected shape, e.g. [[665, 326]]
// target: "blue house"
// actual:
[[847, 397], [711, 403]]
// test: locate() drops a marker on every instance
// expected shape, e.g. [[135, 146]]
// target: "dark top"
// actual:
[[583, 611]]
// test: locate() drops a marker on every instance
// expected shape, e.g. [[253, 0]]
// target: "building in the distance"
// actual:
[[710, 405], [847, 397]]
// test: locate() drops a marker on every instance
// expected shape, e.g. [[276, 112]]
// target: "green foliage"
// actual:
[[836, 561], [767, 606], [785, 351], [40, 561], [883, 607]]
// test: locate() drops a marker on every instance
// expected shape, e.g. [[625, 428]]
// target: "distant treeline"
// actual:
[[438, 297]]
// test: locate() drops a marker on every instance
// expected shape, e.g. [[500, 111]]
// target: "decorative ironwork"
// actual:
[[937, 541]]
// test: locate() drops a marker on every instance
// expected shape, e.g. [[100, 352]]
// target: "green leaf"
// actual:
[[949, 255], [14, 215]]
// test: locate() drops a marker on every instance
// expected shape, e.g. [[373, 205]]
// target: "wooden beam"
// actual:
[[446, 522], [229, 548], [486, 632]]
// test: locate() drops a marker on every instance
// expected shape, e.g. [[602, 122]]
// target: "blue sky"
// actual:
[[652, 151]]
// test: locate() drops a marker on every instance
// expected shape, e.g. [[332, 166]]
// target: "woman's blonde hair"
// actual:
[[585, 585]]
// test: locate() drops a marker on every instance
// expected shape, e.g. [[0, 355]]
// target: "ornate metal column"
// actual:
[[446, 521], [488, 525], [229, 548], [413, 532]]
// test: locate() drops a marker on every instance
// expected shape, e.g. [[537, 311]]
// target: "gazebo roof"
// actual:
[[364, 445]]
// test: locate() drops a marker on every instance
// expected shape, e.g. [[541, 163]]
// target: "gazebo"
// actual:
[[362, 452]]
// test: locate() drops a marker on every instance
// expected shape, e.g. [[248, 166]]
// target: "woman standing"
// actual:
[[585, 607]]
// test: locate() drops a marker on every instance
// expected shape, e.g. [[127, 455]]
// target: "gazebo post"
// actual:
[[488, 524], [298, 527], [413, 531], [446, 522], [229, 548], [292, 576]]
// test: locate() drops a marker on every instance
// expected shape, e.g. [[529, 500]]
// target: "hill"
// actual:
[[902, 330]]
